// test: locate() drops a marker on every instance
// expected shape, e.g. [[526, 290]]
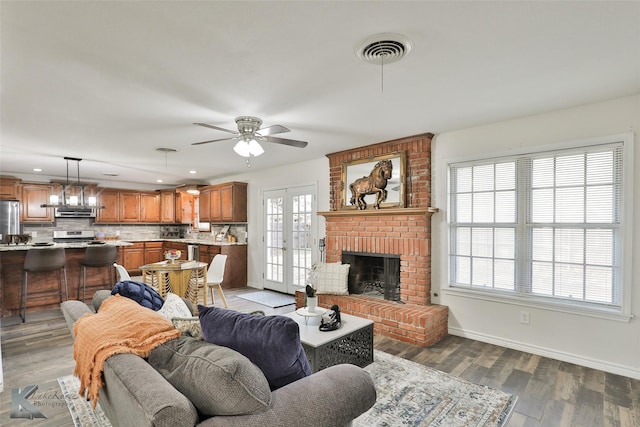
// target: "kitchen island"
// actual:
[[12, 261], [132, 254]]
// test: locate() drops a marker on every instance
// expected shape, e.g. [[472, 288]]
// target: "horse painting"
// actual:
[[375, 183]]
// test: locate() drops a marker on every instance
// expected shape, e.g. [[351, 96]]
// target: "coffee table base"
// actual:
[[355, 348]]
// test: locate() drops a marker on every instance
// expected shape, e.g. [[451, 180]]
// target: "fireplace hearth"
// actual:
[[374, 275]]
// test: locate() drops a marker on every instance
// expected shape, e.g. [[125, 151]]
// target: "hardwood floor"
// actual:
[[550, 393]]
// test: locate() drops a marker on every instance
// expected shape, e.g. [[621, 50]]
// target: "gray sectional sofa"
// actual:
[[136, 394]]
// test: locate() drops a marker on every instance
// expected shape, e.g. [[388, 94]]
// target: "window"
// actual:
[[545, 226]]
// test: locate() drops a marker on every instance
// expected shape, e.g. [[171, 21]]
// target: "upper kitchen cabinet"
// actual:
[[129, 206], [224, 203], [149, 207], [110, 199], [33, 196], [184, 207], [205, 204], [168, 206], [9, 189], [233, 202]]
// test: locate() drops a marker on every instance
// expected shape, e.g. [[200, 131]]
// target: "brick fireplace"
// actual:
[[404, 232]]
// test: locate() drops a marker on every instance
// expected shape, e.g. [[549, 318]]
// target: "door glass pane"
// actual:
[[274, 239], [301, 245]]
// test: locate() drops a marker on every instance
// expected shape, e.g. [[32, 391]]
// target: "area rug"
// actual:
[[268, 298], [410, 394], [80, 408]]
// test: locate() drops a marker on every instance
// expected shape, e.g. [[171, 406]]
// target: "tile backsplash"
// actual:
[[44, 232]]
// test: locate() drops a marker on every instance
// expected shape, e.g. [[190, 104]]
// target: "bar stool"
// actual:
[[97, 257], [43, 260]]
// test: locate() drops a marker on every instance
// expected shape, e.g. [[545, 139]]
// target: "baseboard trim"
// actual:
[[550, 353]]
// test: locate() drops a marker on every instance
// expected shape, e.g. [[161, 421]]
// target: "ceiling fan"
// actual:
[[249, 136]]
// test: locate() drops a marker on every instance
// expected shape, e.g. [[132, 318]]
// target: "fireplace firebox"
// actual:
[[375, 275]]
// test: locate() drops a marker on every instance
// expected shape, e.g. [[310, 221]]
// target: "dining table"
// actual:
[[180, 277]]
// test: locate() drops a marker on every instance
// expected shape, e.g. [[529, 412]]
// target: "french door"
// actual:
[[289, 224]]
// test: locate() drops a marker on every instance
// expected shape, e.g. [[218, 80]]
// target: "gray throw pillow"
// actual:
[[217, 380]]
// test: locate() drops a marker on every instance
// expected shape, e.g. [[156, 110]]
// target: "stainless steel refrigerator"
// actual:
[[9, 219]]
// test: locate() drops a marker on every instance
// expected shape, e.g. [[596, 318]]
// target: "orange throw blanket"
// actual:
[[120, 326]]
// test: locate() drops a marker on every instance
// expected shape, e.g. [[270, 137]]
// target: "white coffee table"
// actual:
[[352, 343]]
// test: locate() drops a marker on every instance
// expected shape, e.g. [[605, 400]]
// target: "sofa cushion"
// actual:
[[140, 292], [271, 342], [174, 307], [217, 380], [332, 279]]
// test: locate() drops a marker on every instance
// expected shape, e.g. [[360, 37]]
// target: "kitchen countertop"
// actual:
[[128, 242], [71, 245], [190, 242]]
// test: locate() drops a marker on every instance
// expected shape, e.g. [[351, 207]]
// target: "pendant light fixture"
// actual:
[[73, 201]]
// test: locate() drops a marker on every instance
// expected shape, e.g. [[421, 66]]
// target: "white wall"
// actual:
[[313, 172], [609, 345]]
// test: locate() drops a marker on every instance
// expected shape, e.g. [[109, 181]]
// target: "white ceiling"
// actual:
[[109, 82]]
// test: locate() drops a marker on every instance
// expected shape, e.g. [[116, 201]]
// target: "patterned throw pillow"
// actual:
[[140, 292], [332, 279], [174, 307], [189, 326]]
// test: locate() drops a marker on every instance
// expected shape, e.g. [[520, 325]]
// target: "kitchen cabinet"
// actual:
[[205, 204], [133, 257], [153, 252], [168, 206], [207, 252], [110, 199], [184, 203], [235, 271], [224, 203], [149, 207], [9, 189], [129, 206], [33, 196]]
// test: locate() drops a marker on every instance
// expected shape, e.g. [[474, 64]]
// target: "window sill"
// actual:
[[541, 303]]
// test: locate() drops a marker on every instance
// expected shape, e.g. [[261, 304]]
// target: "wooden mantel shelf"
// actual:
[[372, 212]]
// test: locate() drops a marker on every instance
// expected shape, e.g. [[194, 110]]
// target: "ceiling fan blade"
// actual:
[[290, 142], [272, 130], [215, 127], [214, 140]]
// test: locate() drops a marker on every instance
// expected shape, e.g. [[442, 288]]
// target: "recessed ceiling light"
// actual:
[[37, 170], [193, 172], [158, 180]]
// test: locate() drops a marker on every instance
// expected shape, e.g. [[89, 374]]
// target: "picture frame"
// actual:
[[353, 170]]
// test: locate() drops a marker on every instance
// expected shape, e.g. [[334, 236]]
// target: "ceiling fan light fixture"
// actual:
[[255, 148], [248, 148]]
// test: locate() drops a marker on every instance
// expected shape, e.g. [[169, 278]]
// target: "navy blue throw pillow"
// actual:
[[270, 342], [140, 292]]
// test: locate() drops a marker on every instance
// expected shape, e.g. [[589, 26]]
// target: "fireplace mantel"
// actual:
[[373, 212]]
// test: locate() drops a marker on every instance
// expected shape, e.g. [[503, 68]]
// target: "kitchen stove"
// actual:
[[73, 236]]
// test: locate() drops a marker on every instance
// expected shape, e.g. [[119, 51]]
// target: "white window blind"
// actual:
[[544, 225]]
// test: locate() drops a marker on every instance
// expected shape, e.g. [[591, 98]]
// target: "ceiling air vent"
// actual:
[[383, 48]]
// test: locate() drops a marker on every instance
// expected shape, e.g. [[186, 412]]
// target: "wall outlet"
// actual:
[[524, 317]]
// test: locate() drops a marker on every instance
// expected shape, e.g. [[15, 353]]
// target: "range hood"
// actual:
[[73, 203]]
